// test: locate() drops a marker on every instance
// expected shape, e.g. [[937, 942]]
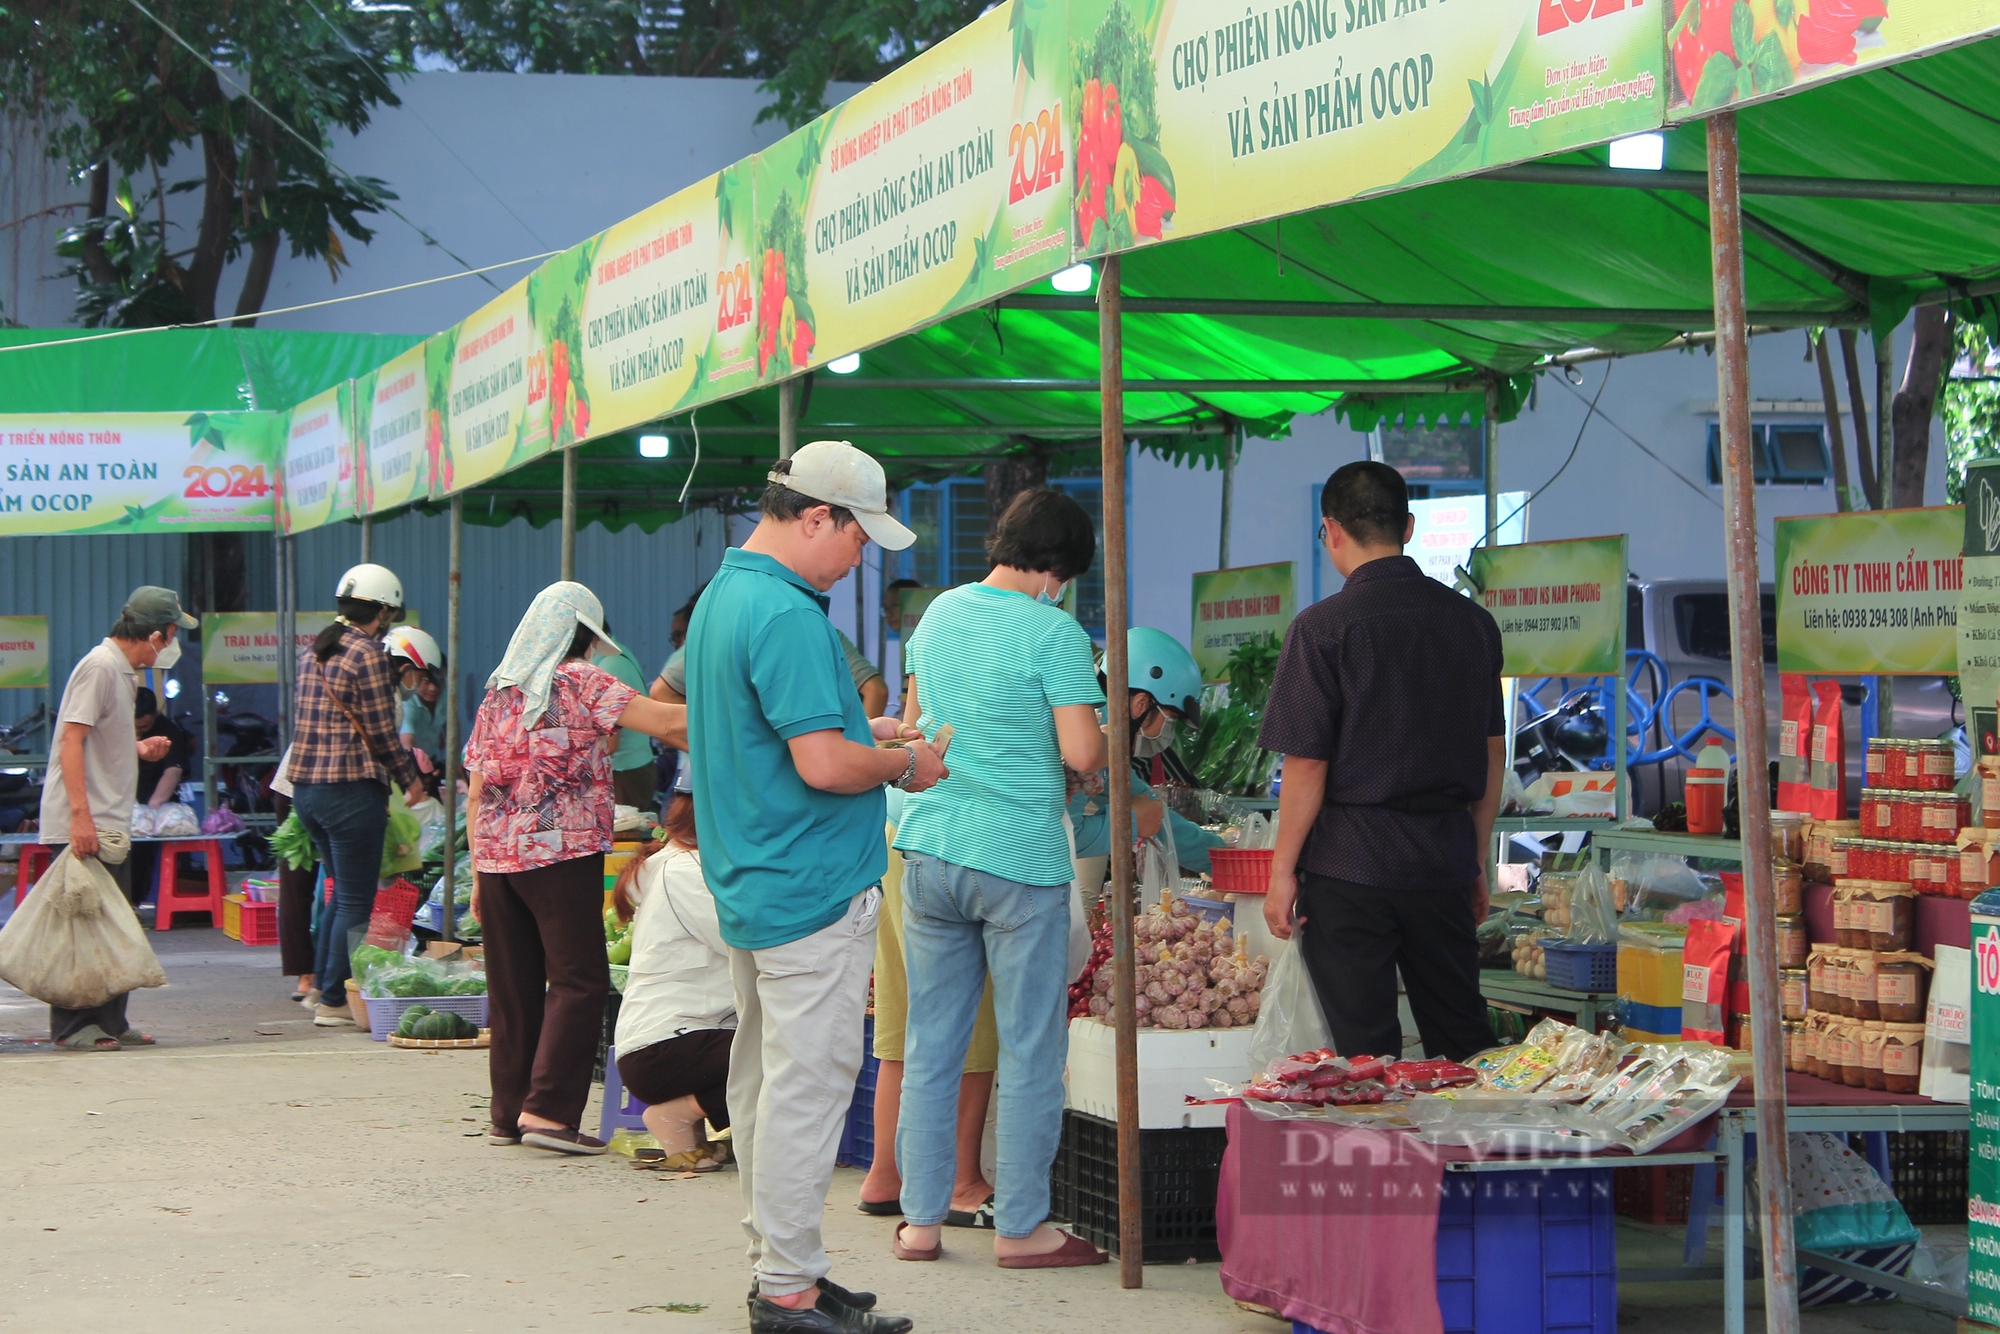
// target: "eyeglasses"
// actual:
[[1319, 530]]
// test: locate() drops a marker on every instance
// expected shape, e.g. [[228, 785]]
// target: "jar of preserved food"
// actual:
[[1902, 1057], [1739, 1032], [1793, 988], [1803, 1055], [1793, 942], [1870, 1045], [1843, 912], [1788, 836], [1819, 981], [1894, 762], [1878, 816], [1793, 1037], [1875, 764], [1940, 766], [1788, 883], [1891, 916], [1902, 982], [1851, 1072], [1840, 980], [1861, 984], [1989, 793]]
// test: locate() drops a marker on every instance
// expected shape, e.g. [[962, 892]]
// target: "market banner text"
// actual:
[[1560, 605], [1870, 594]]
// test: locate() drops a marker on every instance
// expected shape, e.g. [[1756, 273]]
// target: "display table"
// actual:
[[169, 901], [1338, 1227], [1526, 993]]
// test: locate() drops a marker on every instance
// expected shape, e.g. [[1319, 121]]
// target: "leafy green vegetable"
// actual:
[[293, 844], [408, 981], [1224, 754], [471, 984], [366, 960]]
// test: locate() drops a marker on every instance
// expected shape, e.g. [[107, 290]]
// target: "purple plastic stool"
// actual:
[[621, 1111]]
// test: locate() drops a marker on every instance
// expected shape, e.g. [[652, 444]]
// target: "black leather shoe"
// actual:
[[855, 1301], [828, 1316]]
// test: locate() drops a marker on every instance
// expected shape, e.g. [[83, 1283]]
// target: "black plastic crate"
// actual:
[[1927, 1170], [1178, 1174]]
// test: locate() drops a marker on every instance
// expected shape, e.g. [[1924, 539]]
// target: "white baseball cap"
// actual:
[[839, 474]]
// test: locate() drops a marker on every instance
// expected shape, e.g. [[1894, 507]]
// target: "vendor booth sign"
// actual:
[[489, 384], [397, 432], [1873, 593], [1982, 1287], [1191, 118], [241, 647], [319, 461], [24, 652], [1447, 529], [137, 472], [1560, 605], [1233, 607], [1979, 600]]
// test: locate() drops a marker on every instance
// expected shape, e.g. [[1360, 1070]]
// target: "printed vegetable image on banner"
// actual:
[[1560, 605], [649, 305], [558, 411], [138, 472], [482, 369], [318, 486], [1724, 54], [928, 192], [1235, 606], [1873, 593], [729, 361], [1192, 118], [24, 652], [393, 417]]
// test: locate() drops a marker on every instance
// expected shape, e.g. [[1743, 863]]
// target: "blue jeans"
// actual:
[[959, 925], [347, 823]]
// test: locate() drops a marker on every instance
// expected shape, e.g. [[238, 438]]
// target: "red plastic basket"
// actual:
[[1240, 870], [260, 923], [395, 907]]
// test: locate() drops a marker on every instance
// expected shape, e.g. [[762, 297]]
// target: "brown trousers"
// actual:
[[546, 979]]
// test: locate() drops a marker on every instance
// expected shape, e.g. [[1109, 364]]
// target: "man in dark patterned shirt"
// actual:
[[1387, 709]]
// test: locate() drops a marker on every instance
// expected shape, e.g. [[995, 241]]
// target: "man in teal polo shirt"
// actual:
[[790, 809]]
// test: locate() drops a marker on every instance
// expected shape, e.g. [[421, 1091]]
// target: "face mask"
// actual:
[[169, 655], [1055, 600], [1145, 747]]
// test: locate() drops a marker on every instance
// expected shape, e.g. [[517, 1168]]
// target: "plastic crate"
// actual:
[[1581, 967], [232, 916], [1178, 1171], [259, 922], [857, 1137], [395, 907], [1927, 1169], [385, 1012], [1654, 1194], [1240, 870]]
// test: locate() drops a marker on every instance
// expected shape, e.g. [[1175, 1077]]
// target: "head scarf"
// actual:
[[542, 640]]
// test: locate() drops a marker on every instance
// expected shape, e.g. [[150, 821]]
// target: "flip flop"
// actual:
[[90, 1038], [1074, 1253], [881, 1208], [980, 1217], [132, 1037], [903, 1252]]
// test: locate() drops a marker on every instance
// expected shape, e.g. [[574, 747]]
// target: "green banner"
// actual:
[[241, 647], [138, 472], [1982, 1288], [24, 652], [1193, 118], [1874, 593], [1560, 605], [1235, 606]]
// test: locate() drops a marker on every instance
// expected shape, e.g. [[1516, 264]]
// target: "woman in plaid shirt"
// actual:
[[346, 750]]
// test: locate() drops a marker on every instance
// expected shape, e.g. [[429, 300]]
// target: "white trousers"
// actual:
[[799, 1014]]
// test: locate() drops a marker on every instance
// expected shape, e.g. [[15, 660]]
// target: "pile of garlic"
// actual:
[[1191, 973]]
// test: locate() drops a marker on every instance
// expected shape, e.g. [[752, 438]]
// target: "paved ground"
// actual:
[[251, 1173]]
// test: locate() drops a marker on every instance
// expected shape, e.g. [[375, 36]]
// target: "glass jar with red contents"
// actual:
[[1939, 766], [1910, 817], [1895, 763], [1915, 865], [1877, 815], [1876, 774], [1952, 882], [1872, 861]]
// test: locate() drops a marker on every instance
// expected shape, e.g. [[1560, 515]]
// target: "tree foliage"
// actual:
[[1971, 406], [116, 96], [797, 49]]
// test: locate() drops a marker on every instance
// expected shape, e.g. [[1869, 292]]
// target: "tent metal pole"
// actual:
[[451, 742], [964, 384], [1490, 314], [1796, 187], [1739, 499], [1491, 463], [1230, 449], [288, 631], [788, 419], [569, 515], [1885, 426], [949, 430], [1124, 993], [367, 539], [207, 694]]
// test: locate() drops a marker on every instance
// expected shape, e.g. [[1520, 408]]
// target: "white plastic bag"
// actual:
[[1289, 1020], [76, 942], [1079, 921], [143, 818], [175, 820]]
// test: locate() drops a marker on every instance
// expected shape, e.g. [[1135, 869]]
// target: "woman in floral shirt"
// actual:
[[540, 814]]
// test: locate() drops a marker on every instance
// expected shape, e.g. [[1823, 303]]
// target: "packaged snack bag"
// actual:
[[1829, 754], [1795, 730]]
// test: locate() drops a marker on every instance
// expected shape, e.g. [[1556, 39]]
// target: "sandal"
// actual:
[[90, 1038], [132, 1037], [980, 1217], [1073, 1253], [903, 1252], [882, 1208]]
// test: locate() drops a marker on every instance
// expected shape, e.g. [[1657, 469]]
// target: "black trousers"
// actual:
[[1356, 938], [110, 1016]]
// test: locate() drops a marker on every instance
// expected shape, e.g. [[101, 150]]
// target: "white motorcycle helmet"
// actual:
[[414, 647], [371, 583]]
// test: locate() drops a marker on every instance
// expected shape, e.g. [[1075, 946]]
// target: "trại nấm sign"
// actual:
[[24, 652], [241, 647], [137, 472], [1235, 606], [1560, 605], [1870, 594]]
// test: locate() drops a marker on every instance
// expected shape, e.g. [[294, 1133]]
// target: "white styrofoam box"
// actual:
[[1172, 1064], [1947, 1074]]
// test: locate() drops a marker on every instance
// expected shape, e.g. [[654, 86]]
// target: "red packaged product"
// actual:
[[1795, 744], [1829, 754]]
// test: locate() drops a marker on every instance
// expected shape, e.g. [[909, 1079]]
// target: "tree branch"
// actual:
[[1857, 400], [1923, 375]]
